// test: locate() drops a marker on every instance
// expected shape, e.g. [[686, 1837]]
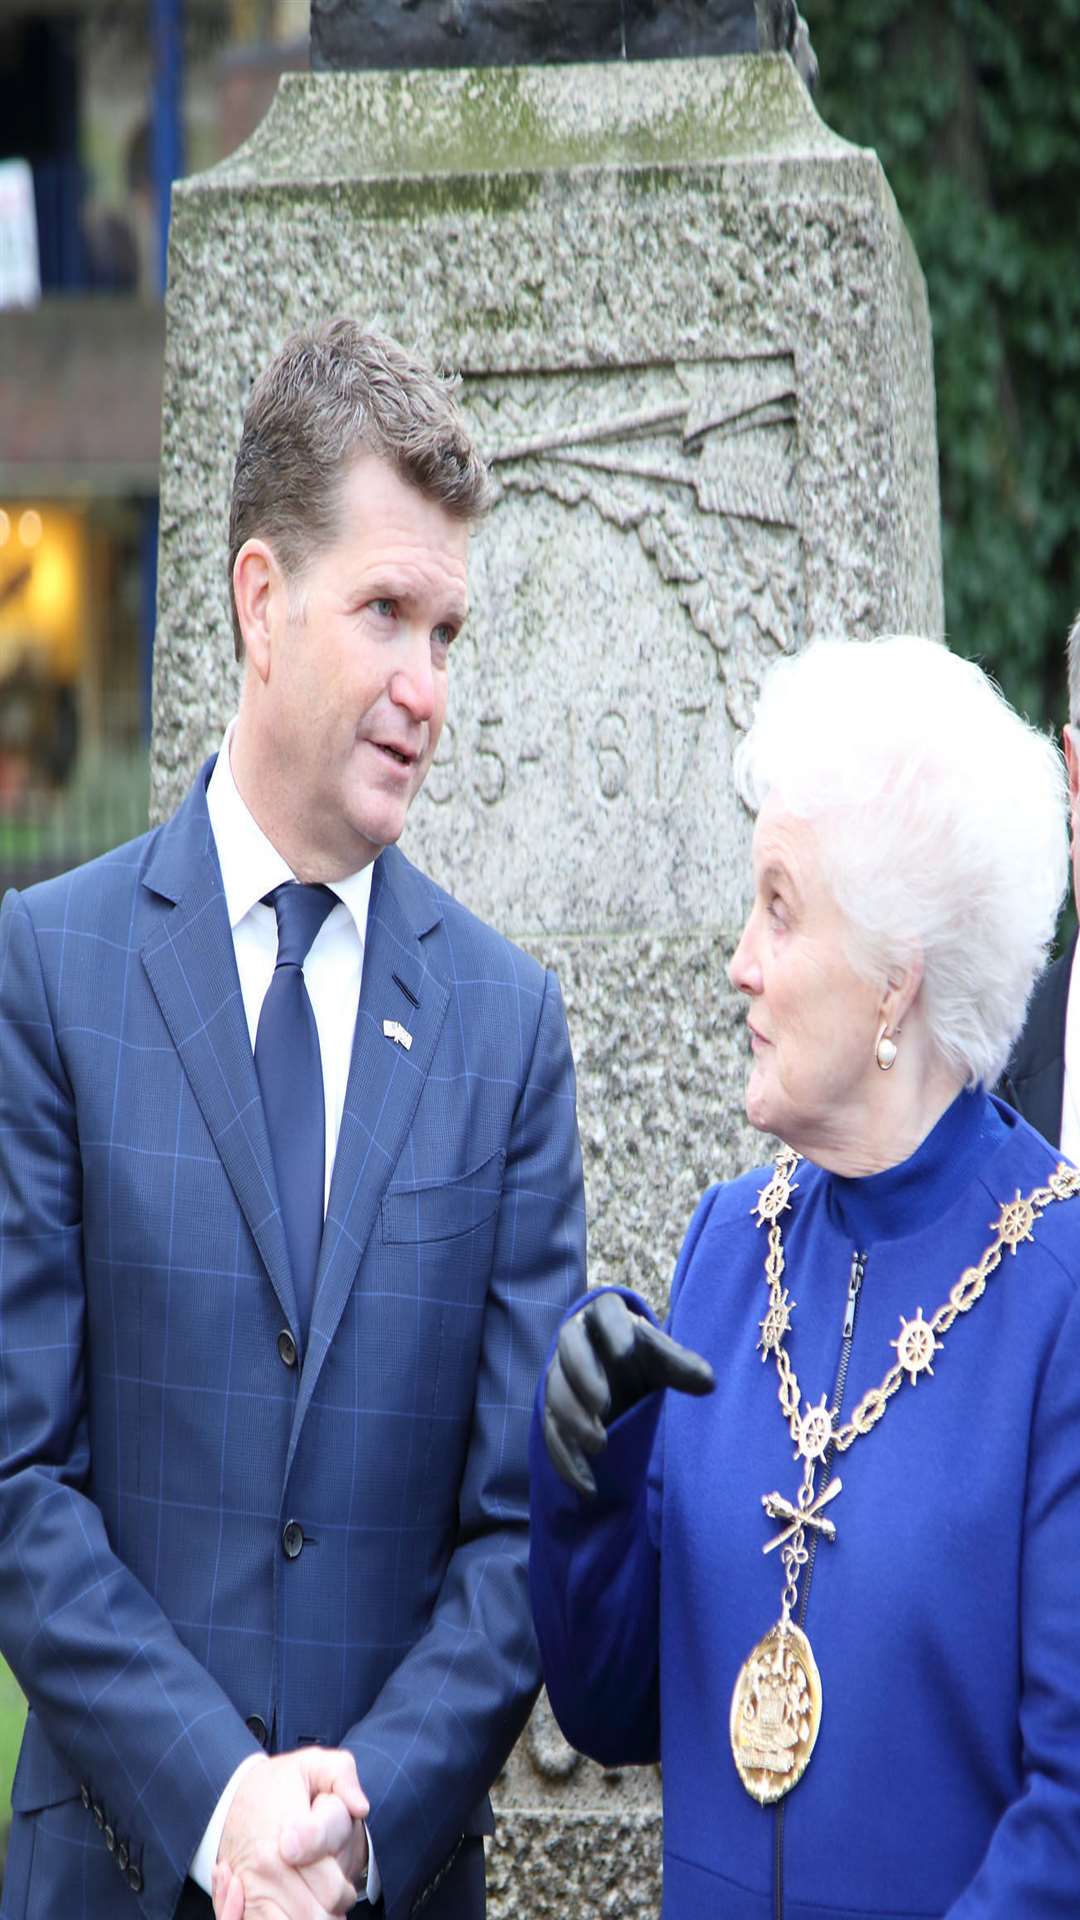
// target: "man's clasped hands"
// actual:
[[294, 1845]]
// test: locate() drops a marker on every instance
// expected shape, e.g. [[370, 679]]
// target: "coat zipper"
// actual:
[[855, 1281]]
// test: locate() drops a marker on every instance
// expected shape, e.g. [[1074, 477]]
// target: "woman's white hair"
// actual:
[[940, 817]]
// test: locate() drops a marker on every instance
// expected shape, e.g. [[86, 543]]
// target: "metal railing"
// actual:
[[44, 831]]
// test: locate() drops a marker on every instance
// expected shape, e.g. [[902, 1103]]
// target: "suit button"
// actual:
[[110, 1839], [122, 1857], [99, 1813], [293, 1540], [84, 1795], [134, 1878], [257, 1725], [286, 1347]]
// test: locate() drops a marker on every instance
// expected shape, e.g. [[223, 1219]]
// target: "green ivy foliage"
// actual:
[[974, 108]]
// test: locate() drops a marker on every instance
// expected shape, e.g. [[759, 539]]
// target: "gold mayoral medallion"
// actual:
[[776, 1713]]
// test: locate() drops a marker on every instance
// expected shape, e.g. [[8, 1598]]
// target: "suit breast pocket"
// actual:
[[441, 1210], [424, 1302]]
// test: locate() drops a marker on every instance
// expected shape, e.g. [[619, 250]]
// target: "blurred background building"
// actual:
[[103, 103]]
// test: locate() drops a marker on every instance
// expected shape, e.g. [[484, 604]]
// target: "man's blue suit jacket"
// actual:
[[200, 1538]]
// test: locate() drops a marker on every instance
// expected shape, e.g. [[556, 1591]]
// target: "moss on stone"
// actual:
[[502, 120]]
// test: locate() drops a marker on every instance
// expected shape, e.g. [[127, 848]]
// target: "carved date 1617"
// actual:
[[646, 757]]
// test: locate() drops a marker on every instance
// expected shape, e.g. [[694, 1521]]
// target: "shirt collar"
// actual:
[[250, 865]]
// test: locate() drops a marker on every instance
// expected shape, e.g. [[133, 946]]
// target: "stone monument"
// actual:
[[695, 344]]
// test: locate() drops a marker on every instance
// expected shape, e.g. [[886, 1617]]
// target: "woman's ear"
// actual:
[[256, 581], [900, 993]]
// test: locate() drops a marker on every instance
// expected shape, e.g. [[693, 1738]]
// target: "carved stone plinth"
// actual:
[[695, 345]]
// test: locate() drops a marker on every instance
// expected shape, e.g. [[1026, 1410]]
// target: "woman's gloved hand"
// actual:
[[608, 1358]]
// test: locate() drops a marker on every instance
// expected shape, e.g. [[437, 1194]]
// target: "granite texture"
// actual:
[[659, 1041], [695, 345], [594, 1866]]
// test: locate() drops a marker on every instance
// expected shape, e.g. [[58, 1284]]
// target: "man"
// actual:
[[290, 1202], [1042, 1079]]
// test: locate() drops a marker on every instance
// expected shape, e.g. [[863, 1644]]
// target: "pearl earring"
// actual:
[[885, 1050]]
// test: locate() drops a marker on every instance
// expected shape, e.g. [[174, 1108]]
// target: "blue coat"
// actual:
[[205, 1546], [945, 1619]]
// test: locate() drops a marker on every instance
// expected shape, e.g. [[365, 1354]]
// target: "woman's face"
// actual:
[[813, 1021]]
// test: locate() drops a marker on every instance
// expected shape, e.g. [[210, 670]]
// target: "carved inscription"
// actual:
[[647, 759], [641, 569]]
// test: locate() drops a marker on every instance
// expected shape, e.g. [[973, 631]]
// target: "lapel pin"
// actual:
[[394, 1030]]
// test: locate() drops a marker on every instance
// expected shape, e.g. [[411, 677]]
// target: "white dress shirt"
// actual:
[[251, 868], [1070, 1103]]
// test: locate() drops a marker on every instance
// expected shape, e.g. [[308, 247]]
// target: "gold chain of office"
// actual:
[[776, 1705], [917, 1342]]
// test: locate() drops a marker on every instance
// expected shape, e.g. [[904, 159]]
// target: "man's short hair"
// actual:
[[1074, 673], [332, 394]]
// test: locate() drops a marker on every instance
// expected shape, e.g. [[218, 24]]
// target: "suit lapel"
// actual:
[[385, 1081], [1039, 1097], [1036, 1072], [191, 965]]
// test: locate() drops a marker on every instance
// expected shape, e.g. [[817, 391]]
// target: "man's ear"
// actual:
[[258, 585]]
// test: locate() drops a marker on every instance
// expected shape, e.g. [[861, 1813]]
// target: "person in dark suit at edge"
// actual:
[[290, 1205], [1042, 1079]]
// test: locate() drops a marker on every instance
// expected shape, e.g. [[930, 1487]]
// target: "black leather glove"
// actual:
[[607, 1359]]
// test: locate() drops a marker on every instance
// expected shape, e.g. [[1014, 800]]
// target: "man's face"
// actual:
[[356, 693]]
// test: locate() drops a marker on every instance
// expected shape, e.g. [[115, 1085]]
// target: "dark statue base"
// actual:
[[351, 34]]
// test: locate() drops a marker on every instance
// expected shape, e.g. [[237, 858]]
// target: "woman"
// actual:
[[839, 1596]]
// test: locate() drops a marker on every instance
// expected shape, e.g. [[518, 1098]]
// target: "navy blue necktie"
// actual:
[[289, 1069]]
